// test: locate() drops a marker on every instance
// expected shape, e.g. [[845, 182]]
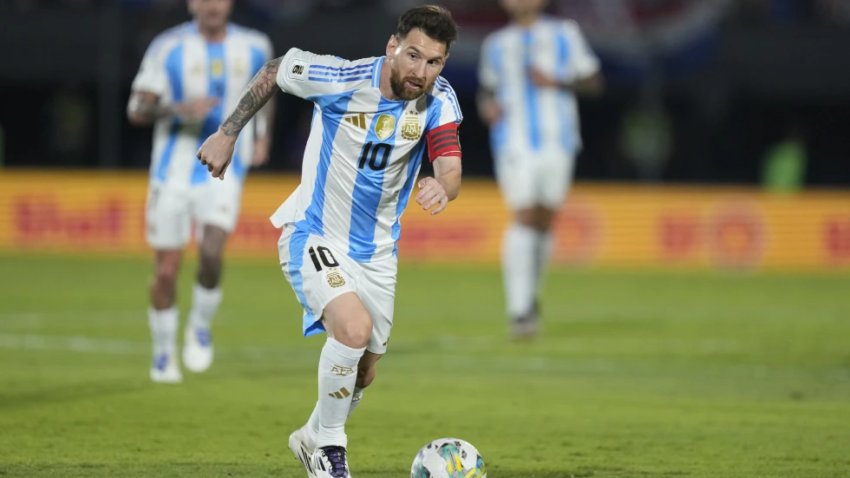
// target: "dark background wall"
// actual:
[[705, 104]]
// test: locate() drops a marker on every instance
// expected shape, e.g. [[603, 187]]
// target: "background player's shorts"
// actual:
[[319, 273], [171, 212], [541, 178]]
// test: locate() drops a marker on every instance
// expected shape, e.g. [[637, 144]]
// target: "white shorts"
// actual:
[[539, 179], [170, 212], [319, 273]]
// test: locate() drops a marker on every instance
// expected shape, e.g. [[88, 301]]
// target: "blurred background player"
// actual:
[[375, 119], [190, 77], [530, 72]]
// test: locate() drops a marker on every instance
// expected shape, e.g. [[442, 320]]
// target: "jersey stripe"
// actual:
[[376, 72], [343, 69], [258, 59], [562, 45], [330, 124], [531, 94], [443, 85], [341, 79], [174, 68], [498, 136], [369, 184], [216, 87], [415, 159]]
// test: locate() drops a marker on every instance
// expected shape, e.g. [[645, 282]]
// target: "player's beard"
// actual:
[[400, 90]]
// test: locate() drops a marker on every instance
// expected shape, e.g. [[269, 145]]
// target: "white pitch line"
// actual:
[[73, 344], [117, 346]]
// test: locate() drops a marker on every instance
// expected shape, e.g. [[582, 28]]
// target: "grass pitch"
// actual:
[[644, 374]]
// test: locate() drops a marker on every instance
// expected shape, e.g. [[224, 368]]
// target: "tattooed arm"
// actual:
[[217, 150]]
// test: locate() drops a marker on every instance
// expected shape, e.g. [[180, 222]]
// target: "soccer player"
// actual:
[[191, 75], [375, 119], [529, 73]]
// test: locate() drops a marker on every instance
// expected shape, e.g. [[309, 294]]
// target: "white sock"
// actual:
[[313, 421], [163, 325], [518, 266], [337, 376], [205, 304], [542, 253]]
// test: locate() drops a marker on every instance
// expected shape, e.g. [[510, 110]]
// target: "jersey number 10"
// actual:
[[376, 155]]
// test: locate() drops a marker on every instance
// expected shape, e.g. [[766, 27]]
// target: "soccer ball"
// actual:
[[448, 458]]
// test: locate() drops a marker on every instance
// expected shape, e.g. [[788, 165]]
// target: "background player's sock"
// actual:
[[518, 259], [205, 304], [356, 397], [163, 325], [337, 376]]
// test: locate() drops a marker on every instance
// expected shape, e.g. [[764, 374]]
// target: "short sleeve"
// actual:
[[152, 76], [447, 107], [266, 46], [488, 76], [305, 74], [584, 62]]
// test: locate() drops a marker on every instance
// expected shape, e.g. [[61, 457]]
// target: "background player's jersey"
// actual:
[[363, 154], [535, 119], [180, 65]]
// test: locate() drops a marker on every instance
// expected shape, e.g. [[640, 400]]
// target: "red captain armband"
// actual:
[[443, 141]]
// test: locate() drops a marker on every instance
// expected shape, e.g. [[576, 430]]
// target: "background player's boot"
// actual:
[[197, 349], [526, 327], [302, 442], [330, 462], [164, 369]]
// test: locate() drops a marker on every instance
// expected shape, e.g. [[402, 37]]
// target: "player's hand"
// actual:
[[542, 79], [261, 151], [195, 110], [489, 111], [432, 195], [216, 153]]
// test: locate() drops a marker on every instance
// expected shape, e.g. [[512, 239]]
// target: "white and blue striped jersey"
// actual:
[[535, 119], [180, 65], [363, 153]]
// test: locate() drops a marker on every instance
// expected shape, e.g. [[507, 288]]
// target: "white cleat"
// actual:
[[164, 369], [197, 349], [330, 462], [303, 444]]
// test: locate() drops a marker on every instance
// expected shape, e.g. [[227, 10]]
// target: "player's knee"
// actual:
[[542, 217], [210, 254], [526, 217], [355, 331], [166, 274]]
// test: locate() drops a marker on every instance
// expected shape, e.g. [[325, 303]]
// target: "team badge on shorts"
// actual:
[[335, 279], [410, 127]]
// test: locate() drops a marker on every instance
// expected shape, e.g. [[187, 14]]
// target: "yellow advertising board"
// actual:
[[619, 225]]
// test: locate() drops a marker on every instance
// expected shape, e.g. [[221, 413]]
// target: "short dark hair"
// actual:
[[434, 20]]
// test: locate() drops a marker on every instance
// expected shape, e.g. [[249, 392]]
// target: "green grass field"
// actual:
[[637, 374]]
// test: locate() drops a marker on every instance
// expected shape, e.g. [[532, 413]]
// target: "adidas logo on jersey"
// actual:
[[358, 120]]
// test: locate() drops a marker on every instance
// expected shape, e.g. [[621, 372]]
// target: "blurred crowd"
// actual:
[[691, 97], [753, 11]]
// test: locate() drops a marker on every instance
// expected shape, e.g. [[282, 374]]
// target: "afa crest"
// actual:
[[410, 127], [217, 68]]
